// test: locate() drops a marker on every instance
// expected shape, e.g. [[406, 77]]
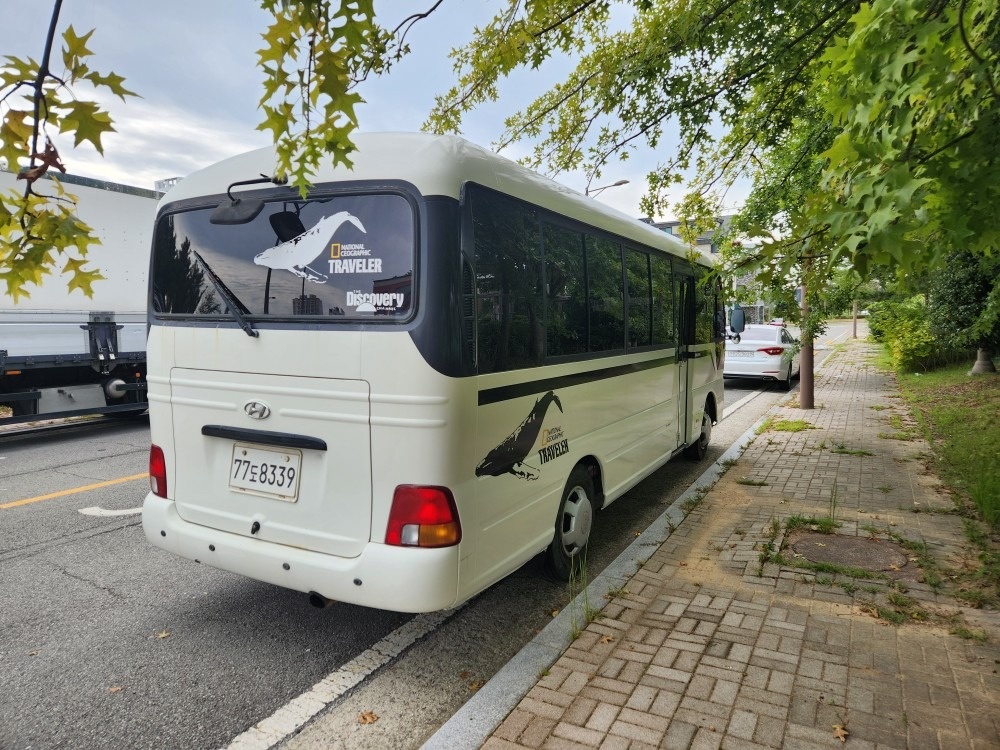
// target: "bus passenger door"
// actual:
[[684, 301]]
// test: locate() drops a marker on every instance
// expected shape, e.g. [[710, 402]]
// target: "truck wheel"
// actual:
[[697, 450], [564, 557]]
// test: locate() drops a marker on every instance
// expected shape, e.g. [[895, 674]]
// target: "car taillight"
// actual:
[[772, 350], [423, 517], [157, 471]]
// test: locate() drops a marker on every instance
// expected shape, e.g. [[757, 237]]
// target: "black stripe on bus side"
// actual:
[[264, 437], [517, 390]]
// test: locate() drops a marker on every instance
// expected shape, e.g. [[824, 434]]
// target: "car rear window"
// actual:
[[768, 335]]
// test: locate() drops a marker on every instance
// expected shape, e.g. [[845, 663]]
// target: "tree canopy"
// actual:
[[868, 130]]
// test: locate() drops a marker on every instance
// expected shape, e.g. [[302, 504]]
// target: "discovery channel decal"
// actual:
[[512, 456]]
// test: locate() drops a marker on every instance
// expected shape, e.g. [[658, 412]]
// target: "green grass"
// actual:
[[850, 451], [958, 415], [787, 425], [825, 525]]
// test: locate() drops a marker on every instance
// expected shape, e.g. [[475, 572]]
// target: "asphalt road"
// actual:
[[108, 642]]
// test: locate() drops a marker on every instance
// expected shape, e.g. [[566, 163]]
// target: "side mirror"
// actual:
[[242, 210], [238, 211], [737, 320]]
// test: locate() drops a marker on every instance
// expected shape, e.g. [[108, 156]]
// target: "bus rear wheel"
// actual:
[[565, 556], [697, 450]]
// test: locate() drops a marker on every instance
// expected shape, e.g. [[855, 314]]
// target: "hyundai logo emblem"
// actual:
[[257, 410]]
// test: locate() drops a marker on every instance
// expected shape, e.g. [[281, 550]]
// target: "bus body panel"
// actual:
[[626, 425], [396, 578], [330, 510]]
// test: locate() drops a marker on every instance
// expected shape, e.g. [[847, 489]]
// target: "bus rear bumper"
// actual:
[[400, 579]]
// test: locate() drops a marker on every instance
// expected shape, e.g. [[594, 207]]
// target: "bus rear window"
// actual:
[[346, 257]]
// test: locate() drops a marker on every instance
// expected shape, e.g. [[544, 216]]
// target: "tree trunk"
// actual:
[[854, 311], [984, 363], [807, 393]]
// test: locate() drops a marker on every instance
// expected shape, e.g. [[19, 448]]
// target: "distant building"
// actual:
[[704, 240], [165, 185], [757, 312]]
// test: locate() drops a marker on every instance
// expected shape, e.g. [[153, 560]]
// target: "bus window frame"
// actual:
[[319, 192]]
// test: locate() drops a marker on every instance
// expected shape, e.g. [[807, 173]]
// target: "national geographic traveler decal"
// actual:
[[553, 445], [295, 254], [353, 258], [509, 457]]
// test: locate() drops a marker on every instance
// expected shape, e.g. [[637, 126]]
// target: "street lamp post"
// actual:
[[595, 191]]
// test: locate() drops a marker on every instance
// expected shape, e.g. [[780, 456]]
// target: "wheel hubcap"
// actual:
[[578, 517]]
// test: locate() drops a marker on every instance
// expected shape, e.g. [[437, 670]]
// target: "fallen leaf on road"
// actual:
[[367, 717], [839, 732], [162, 634], [554, 612], [36, 652], [115, 689], [820, 544], [683, 564], [464, 675], [607, 639], [474, 686]]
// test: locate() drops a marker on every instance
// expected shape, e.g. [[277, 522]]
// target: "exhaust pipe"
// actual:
[[319, 601]]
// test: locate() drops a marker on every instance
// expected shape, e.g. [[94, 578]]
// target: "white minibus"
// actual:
[[398, 390]]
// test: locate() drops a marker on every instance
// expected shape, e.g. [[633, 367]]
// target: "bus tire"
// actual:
[[697, 450], [565, 556]]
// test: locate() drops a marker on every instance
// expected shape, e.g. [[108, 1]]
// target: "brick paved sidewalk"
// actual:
[[714, 644]]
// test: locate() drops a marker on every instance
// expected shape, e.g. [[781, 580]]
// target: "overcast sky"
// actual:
[[194, 64]]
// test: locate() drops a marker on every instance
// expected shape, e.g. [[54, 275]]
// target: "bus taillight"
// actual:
[[157, 471], [423, 517]]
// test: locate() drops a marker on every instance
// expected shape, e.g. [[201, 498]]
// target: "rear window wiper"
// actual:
[[237, 308]]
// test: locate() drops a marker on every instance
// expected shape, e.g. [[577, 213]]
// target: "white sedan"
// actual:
[[765, 351]]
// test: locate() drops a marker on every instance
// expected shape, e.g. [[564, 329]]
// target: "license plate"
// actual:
[[269, 472], [739, 355]]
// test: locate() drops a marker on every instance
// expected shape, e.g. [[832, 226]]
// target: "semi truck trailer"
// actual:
[[64, 354]]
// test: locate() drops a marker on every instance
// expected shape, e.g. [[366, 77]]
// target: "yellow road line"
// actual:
[[63, 493]]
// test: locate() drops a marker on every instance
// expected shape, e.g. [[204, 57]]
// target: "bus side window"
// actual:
[[704, 296], [508, 282], [640, 298], [664, 326], [566, 292], [604, 295]]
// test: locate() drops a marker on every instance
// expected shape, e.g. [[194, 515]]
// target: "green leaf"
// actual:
[[87, 122]]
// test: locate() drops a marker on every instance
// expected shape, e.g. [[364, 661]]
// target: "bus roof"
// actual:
[[438, 165]]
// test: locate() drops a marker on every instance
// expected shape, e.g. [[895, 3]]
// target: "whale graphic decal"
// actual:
[[295, 254], [509, 456]]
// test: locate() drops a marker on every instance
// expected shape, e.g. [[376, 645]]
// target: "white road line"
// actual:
[[97, 511], [727, 410], [293, 715]]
